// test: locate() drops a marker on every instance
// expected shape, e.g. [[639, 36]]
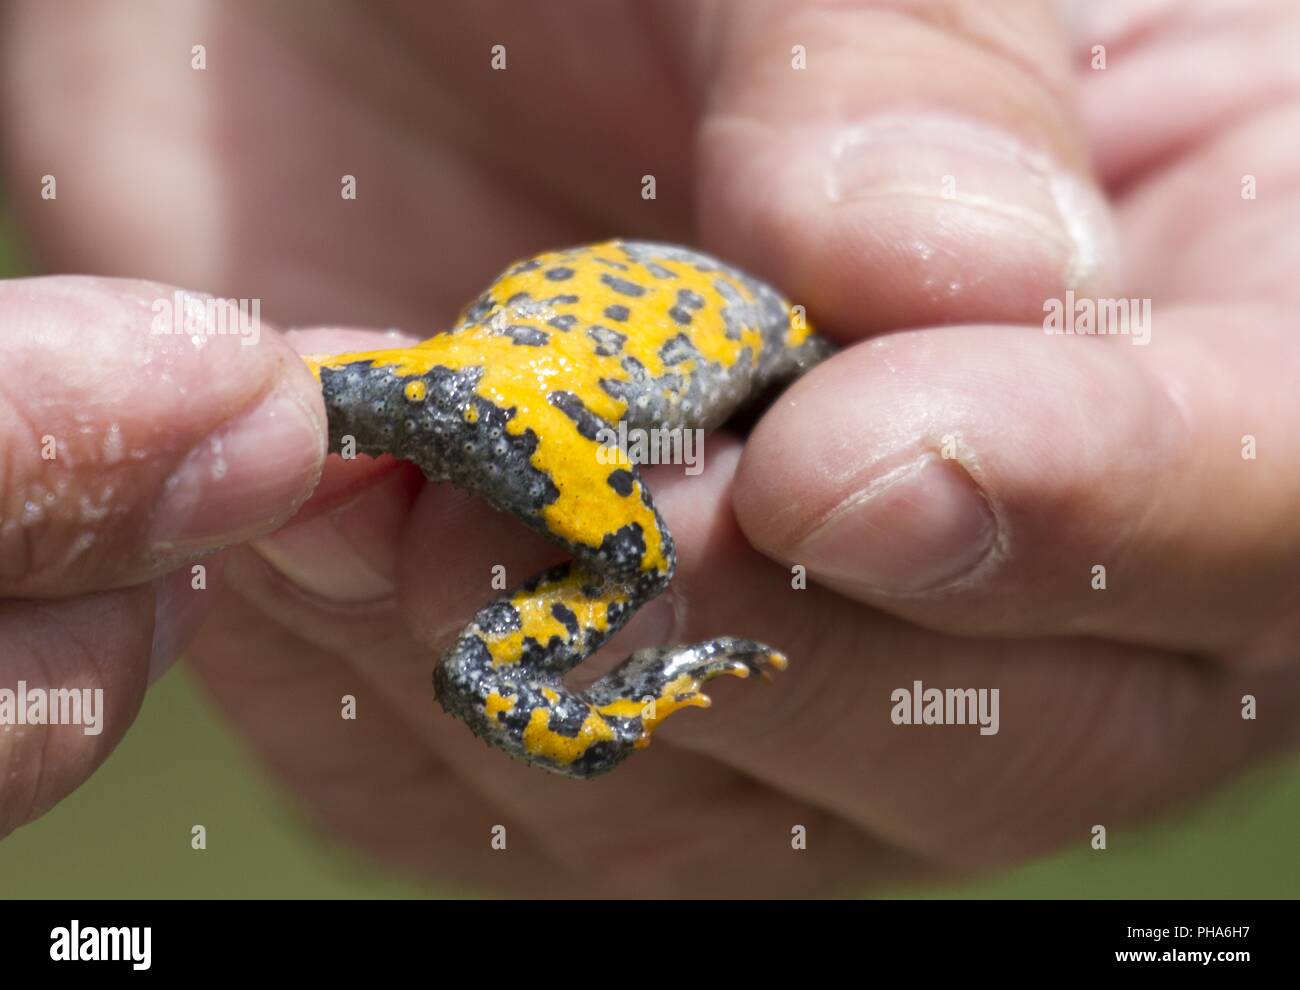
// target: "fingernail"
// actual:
[[180, 603], [976, 165], [243, 479], [349, 553], [921, 527], [319, 558], [167, 639]]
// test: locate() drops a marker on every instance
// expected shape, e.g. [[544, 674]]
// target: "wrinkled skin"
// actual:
[[1115, 705]]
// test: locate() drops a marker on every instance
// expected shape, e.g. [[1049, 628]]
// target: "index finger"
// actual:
[[894, 165]]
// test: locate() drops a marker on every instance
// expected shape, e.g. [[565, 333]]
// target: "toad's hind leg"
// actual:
[[504, 675], [654, 683]]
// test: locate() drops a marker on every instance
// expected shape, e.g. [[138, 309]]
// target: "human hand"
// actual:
[[1093, 730], [129, 457]]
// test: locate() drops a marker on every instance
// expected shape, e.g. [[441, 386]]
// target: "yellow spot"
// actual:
[[541, 741], [471, 413], [507, 648], [795, 336], [415, 390], [537, 615], [497, 704], [623, 708], [551, 695]]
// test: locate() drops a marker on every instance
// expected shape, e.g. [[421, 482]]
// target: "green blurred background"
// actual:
[[126, 832]]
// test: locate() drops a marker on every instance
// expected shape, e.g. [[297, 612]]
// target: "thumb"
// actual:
[[125, 452], [902, 166], [129, 447]]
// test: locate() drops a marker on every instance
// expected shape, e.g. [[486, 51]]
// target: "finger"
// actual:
[[181, 604], [1237, 247], [1087, 732], [925, 167], [368, 779], [343, 542], [1089, 487], [129, 449], [411, 137], [669, 830], [1159, 79], [72, 674]]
